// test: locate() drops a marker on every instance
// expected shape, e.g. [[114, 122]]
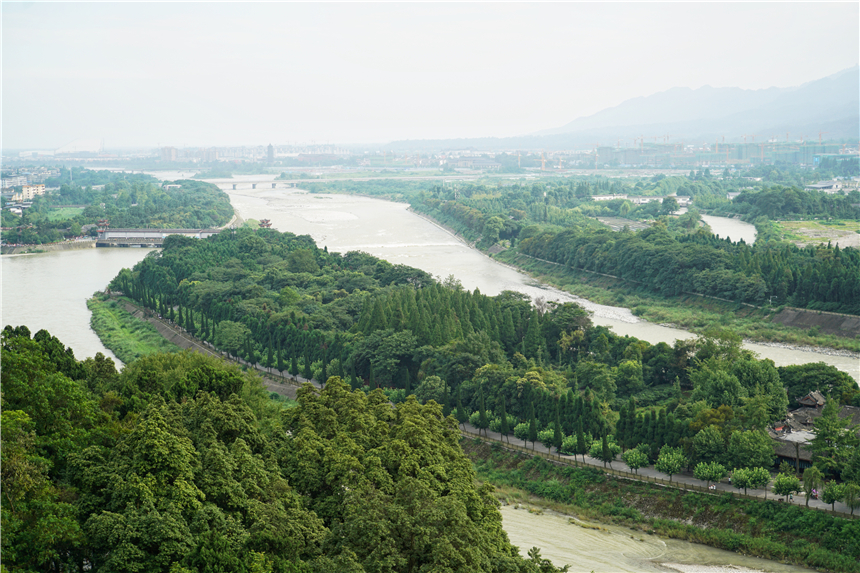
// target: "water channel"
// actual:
[[734, 229], [389, 231], [50, 290]]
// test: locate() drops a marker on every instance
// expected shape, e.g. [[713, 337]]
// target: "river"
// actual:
[[389, 231], [622, 550], [734, 229], [49, 291]]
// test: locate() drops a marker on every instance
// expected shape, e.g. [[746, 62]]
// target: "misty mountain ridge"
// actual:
[[734, 111], [830, 104]]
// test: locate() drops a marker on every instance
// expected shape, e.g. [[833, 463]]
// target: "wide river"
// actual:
[[49, 291], [388, 230]]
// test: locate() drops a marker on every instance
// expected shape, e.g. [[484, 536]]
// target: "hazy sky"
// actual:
[[233, 74]]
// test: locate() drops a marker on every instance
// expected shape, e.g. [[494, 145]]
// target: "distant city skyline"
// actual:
[[185, 74]]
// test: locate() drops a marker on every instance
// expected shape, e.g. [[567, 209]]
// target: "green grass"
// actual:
[[782, 532], [125, 335], [817, 232], [64, 213], [690, 312]]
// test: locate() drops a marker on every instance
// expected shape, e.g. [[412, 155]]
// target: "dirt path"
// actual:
[[286, 385]]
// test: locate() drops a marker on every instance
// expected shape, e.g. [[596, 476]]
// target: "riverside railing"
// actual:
[[565, 460]]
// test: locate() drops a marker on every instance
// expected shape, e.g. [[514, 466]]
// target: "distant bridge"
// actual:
[[147, 237]]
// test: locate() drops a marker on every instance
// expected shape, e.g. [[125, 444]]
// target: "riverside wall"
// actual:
[[49, 248]]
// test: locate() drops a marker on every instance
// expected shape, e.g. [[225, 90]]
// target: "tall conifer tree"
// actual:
[[532, 424], [505, 430]]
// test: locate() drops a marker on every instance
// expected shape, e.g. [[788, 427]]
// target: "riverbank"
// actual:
[[123, 331], [768, 529], [130, 331], [691, 312], [49, 248]]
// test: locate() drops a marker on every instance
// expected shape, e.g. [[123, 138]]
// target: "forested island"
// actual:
[[658, 271], [238, 478], [126, 200]]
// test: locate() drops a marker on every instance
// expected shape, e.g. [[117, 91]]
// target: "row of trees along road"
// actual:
[[276, 298]]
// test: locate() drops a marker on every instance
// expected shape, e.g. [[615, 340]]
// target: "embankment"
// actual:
[[130, 331], [49, 248], [123, 329], [826, 322]]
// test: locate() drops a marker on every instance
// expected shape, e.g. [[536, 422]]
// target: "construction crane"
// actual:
[[543, 161], [820, 133]]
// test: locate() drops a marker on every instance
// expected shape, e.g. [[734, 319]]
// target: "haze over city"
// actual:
[[237, 74]]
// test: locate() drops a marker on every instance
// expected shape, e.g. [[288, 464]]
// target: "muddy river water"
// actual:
[[619, 549], [388, 230]]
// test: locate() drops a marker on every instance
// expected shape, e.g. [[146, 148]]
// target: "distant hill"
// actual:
[[831, 104]]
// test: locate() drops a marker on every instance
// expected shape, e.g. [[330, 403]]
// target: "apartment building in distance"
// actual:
[[28, 192]]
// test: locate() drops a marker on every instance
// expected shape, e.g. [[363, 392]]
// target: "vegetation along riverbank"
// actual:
[[556, 220], [691, 312], [767, 529], [542, 373], [125, 335]]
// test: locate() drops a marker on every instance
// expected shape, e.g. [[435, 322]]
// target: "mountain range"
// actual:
[[830, 104]]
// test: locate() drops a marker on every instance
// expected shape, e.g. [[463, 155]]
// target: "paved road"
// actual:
[[685, 478], [288, 385]]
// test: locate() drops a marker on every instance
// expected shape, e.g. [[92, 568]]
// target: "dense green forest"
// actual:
[[822, 278], [676, 255], [276, 299], [183, 463], [537, 371], [127, 201], [779, 202], [554, 220]]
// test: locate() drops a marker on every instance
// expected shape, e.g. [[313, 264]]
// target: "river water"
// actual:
[[619, 549], [389, 231], [734, 229], [49, 291]]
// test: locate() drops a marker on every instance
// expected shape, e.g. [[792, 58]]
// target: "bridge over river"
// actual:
[[147, 237]]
